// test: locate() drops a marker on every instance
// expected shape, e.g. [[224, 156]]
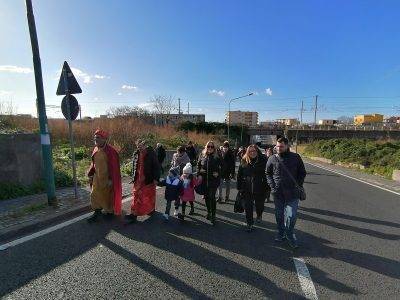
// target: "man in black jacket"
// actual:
[[227, 171], [191, 152], [285, 174], [161, 154]]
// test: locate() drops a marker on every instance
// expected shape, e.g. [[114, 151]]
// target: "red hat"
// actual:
[[101, 133]]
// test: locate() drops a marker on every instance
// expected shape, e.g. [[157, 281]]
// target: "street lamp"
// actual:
[[229, 110]]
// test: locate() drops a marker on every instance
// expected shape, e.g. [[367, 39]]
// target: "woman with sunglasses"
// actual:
[[209, 166], [252, 182]]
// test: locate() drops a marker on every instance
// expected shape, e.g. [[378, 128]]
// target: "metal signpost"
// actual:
[[70, 108], [41, 109]]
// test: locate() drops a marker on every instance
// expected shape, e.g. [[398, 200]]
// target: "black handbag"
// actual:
[[200, 189], [301, 190], [238, 206]]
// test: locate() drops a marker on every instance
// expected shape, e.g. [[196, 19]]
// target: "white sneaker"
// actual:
[[166, 217], [176, 212]]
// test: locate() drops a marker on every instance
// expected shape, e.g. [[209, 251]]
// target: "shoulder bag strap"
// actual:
[[287, 171]]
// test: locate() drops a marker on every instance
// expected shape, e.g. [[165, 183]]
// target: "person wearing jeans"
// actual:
[[286, 216], [285, 189]]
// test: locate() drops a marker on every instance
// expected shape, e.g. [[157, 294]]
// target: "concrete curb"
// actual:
[[29, 227]]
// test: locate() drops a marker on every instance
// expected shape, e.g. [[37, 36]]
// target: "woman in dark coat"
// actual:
[[252, 183], [209, 169]]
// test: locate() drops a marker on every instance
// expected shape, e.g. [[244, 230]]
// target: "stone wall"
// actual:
[[20, 158]]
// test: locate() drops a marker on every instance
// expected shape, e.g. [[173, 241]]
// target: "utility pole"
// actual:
[[188, 108], [80, 112], [41, 109], [301, 112], [179, 105], [315, 110]]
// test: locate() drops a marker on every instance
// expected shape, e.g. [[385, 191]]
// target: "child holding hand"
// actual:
[[189, 182]]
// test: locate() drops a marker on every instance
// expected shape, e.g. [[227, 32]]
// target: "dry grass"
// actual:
[[123, 132]]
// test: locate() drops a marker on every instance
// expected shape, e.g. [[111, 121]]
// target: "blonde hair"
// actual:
[[204, 152], [246, 157]]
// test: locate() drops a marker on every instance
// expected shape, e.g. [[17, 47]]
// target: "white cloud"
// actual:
[[5, 93], [219, 93], [97, 76], [268, 91], [15, 69], [119, 94], [87, 78], [129, 87]]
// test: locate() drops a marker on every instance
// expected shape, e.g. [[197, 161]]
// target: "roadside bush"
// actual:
[[379, 157], [10, 190]]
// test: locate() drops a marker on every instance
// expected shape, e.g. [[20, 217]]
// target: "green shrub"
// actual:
[[378, 157], [10, 190]]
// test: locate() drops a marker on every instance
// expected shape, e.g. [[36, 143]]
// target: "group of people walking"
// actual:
[[260, 176]]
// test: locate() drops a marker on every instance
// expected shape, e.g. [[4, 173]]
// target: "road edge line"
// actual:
[[354, 178]]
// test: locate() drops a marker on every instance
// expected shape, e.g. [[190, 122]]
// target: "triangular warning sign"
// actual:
[[73, 86]]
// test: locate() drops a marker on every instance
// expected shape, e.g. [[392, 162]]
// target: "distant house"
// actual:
[[249, 118], [267, 124], [368, 119], [288, 122], [327, 122], [176, 119], [392, 120]]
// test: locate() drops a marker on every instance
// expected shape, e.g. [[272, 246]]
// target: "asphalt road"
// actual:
[[349, 234]]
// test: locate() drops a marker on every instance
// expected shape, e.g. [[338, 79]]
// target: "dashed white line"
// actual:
[[306, 282], [351, 177]]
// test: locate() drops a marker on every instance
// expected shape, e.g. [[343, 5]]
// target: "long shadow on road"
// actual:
[[194, 241]]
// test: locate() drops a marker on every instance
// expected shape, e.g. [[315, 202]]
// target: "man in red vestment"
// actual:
[[145, 175], [104, 178]]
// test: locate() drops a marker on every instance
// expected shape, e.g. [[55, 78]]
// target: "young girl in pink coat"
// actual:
[[188, 194]]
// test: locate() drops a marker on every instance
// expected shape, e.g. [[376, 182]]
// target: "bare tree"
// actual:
[[163, 106], [7, 108], [345, 120], [127, 111]]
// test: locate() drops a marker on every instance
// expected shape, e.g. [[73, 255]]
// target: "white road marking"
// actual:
[[50, 229], [42, 232], [354, 178], [306, 282]]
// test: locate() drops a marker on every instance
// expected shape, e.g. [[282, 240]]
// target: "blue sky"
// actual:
[[207, 52]]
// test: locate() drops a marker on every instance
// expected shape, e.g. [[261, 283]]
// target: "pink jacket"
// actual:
[[188, 193]]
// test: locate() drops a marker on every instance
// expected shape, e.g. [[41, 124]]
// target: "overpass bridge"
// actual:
[[308, 134]]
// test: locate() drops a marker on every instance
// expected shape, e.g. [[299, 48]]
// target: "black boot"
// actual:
[[191, 213], [109, 216], [130, 219], [213, 219], [95, 216]]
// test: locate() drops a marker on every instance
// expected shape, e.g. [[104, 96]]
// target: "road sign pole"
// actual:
[[41, 109], [71, 136]]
